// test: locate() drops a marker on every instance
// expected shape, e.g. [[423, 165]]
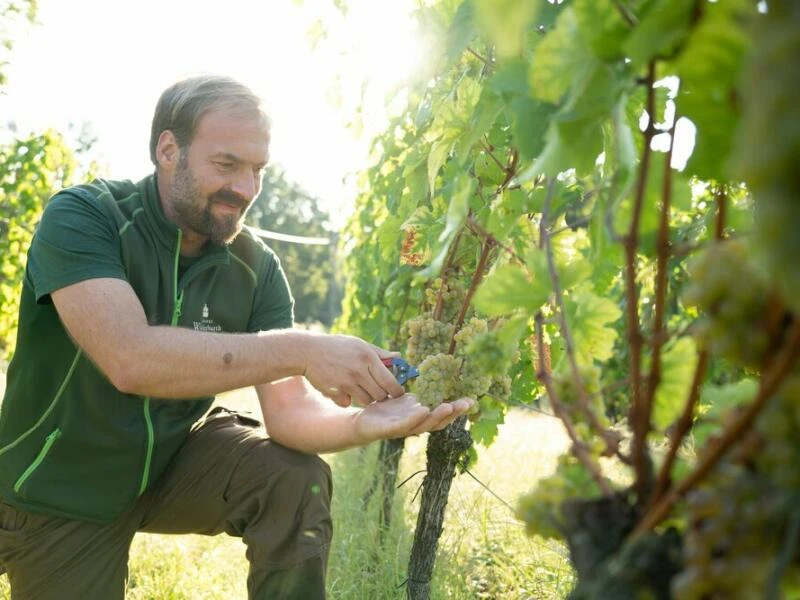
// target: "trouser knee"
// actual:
[[284, 500]]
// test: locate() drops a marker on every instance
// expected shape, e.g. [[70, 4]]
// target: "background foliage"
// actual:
[[311, 270]]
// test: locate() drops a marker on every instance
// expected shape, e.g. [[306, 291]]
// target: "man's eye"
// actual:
[[225, 165]]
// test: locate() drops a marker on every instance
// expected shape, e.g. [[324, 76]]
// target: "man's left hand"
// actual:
[[404, 416]]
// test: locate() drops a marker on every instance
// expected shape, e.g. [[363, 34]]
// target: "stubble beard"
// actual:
[[194, 212]]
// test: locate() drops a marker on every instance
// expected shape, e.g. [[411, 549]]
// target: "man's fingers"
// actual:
[[341, 398], [371, 386], [413, 421], [446, 413], [385, 353], [384, 378], [360, 396]]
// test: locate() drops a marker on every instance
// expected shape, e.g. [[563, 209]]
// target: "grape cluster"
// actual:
[[541, 508], [734, 295], [500, 389], [487, 348], [437, 379], [729, 549], [779, 426], [739, 517], [469, 372], [453, 294], [427, 336], [474, 380], [566, 388]]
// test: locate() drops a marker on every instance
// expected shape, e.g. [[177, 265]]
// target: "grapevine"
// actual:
[[559, 257]]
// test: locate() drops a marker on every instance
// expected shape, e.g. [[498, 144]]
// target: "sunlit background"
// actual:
[[96, 68]]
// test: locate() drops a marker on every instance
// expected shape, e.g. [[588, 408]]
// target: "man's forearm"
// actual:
[[106, 319], [299, 417], [171, 362]]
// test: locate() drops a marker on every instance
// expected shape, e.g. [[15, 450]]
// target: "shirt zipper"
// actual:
[[177, 296], [48, 443]]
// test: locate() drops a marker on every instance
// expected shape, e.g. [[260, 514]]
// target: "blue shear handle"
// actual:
[[403, 371]]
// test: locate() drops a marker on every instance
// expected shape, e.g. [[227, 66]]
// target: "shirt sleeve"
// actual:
[[74, 241], [274, 305]]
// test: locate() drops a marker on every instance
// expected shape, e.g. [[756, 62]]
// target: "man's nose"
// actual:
[[246, 185]]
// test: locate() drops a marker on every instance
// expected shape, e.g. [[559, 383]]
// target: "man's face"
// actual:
[[218, 175]]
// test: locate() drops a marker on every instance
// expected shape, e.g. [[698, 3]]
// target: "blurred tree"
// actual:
[[32, 168], [13, 14], [284, 207]]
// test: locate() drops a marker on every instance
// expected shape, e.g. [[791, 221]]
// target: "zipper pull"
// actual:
[[176, 313]]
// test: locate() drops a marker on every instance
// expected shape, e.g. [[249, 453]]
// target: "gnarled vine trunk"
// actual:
[[446, 449]]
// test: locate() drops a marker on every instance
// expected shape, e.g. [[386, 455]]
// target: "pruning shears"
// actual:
[[401, 370]]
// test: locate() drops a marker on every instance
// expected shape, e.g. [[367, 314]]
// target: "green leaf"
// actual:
[[709, 68], [484, 431], [559, 59], [389, 234], [507, 289], [513, 330], [506, 22], [529, 125], [568, 144], [588, 316], [492, 414], [649, 219], [510, 78], [462, 31], [575, 136], [603, 27], [660, 31], [437, 157], [715, 401], [457, 210], [678, 362], [484, 115]]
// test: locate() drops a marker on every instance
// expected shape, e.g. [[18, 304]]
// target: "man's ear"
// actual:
[[167, 150]]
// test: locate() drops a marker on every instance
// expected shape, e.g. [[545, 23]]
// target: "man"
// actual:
[[140, 303]]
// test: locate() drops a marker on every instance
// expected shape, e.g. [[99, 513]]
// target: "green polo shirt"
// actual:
[[71, 444]]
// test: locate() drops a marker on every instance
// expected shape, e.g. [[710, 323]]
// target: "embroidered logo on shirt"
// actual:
[[206, 323]]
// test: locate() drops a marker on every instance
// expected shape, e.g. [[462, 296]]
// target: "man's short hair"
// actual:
[[181, 106]]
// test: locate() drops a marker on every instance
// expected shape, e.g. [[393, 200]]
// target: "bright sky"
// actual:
[[105, 63]]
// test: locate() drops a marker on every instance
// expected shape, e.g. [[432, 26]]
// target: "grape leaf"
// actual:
[[602, 26], [559, 59], [508, 289], [709, 70], [506, 22], [529, 125], [715, 401], [437, 157], [462, 31], [678, 362], [661, 30], [589, 317]]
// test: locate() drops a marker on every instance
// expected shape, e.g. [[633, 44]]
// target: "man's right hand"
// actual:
[[349, 370]]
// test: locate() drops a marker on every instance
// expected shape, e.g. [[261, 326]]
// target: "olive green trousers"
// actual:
[[228, 477]]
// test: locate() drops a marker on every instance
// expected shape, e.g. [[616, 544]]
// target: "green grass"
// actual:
[[483, 551]]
